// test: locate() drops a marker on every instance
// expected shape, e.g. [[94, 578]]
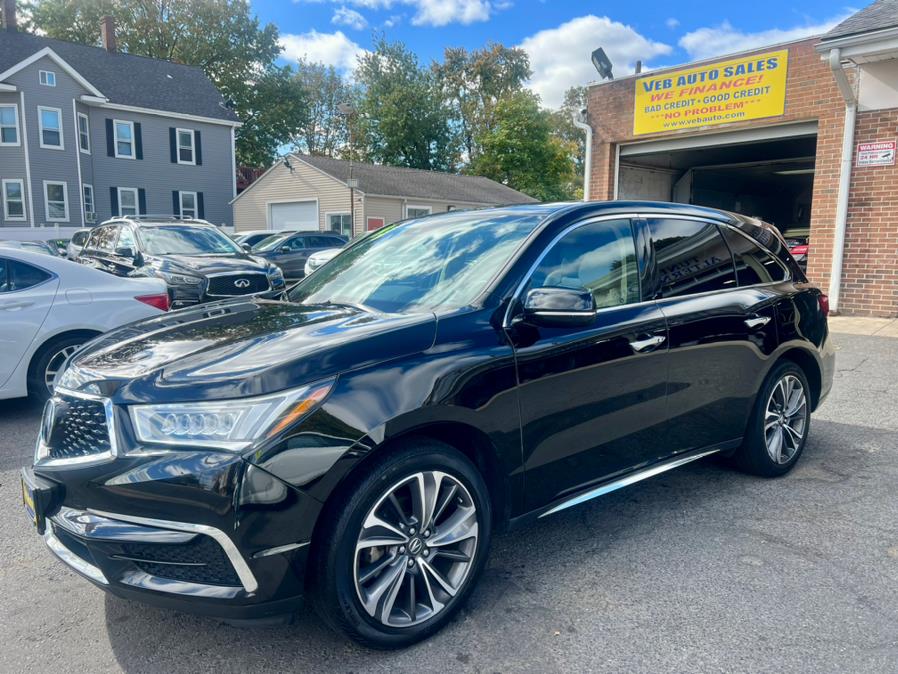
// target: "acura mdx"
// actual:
[[358, 440]]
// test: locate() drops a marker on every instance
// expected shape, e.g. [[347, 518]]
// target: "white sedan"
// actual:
[[317, 260], [50, 306]]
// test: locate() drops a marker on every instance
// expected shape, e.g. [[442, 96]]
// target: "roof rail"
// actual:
[[145, 217]]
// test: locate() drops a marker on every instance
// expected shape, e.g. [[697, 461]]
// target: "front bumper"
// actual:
[[185, 542]]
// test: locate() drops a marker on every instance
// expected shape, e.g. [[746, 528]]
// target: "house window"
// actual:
[[56, 201], [47, 78], [13, 199], [124, 139], [9, 125], [90, 212], [186, 151], [417, 211], [50, 120], [340, 222], [83, 133], [188, 205], [127, 201]]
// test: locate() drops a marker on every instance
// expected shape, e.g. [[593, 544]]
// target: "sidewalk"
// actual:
[[873, 327]]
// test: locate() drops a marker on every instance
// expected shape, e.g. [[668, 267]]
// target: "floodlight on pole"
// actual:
[[602, 64]]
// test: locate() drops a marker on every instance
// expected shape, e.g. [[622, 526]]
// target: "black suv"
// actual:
[[196, 259], [360, 439]]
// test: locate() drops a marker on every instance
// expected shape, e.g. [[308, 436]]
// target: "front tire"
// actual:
[[400, 555], [779, 425]]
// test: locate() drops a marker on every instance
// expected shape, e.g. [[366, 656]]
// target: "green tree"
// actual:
[[563, 128], [402, 118], [473, 83], [222, 37], [521, 151], [325, 129]]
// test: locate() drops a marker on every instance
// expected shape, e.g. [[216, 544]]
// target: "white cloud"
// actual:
[[672, 23], [560, 57], [331, 48], [442, 12], [344, 16], [725, 39], [393, 21]]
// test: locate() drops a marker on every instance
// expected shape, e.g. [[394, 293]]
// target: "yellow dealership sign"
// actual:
[[737, 90]]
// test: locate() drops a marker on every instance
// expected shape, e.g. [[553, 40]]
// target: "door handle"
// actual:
[[757, 322], [9, 306], [643, 345]]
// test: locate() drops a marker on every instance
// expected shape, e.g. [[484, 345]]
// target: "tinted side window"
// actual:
[[297, 243], [78, 238], [22, 276], [691, 257], [753, 265], [102, 239], [600, 257], [4, 281]]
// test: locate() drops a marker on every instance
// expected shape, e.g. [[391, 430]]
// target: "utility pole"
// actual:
[[348, 111]]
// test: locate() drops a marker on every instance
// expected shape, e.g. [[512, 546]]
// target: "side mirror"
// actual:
[[285, 249], [126, 251], [246, 247], [558, 307]]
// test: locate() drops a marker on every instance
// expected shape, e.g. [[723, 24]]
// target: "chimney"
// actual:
[[638, 67], [9, 15], [107, 32]]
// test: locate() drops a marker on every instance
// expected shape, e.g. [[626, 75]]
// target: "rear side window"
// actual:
[[753, 265], [21, 276], [691, 257], [600, 257]]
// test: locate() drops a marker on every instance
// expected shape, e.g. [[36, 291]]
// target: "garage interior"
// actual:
[[771, 179]]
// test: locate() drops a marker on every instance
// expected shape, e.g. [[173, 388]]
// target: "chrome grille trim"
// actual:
[[42, 451]]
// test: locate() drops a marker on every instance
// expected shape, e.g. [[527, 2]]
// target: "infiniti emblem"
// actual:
[[242, 283], [415, 545]]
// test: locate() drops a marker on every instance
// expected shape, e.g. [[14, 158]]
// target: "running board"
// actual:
[[629, 479]]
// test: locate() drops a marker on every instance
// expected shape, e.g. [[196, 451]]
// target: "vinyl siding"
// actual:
[[12, 159], [251, 209], [155, 173], [393, 209]]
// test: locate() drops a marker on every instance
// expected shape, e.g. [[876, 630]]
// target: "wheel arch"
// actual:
[[811, 368], [39, 350]]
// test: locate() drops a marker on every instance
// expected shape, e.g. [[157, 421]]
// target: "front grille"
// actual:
[[231, 285], [78, 428], [202, 560]]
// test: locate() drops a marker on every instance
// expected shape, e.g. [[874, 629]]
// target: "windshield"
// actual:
[[186, 240], [270, 242], [439, 262]]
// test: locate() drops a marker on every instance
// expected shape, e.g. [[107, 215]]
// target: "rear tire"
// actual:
[[779, 424], [409, 586], [47, 363]]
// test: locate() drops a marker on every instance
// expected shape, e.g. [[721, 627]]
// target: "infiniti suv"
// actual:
[[360, 438]]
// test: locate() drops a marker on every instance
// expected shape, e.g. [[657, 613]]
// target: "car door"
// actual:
[[293, 262], [718, 332], [26, 295], [591, 398]]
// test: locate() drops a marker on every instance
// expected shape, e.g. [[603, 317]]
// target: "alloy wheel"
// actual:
[[785, 419], [54, 365], [415, 549]]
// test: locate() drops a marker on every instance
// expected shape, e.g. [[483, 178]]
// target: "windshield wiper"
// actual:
[[354, 305]]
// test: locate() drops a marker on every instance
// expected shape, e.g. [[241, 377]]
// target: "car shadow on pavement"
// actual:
[[19, 419], [531, 600]]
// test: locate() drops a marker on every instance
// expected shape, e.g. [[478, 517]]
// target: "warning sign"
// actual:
[[881, 153]]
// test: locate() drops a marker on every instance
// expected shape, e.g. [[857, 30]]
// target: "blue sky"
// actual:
[[557, 34]]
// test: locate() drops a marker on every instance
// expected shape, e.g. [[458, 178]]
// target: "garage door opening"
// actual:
[[770, 179]]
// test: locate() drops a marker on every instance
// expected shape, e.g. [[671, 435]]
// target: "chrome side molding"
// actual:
[[629, 479]]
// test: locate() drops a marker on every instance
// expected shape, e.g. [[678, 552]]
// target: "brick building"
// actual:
[[801, 134]]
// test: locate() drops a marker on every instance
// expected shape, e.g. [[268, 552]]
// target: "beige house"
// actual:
[[314, 193]]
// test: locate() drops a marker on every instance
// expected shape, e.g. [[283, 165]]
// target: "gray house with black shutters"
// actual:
[[87, 133]]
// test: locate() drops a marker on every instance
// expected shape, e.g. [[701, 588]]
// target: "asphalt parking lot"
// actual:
[[702, 569]]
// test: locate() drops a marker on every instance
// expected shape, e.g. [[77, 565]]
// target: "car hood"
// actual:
[[241, 348], [212, 264]]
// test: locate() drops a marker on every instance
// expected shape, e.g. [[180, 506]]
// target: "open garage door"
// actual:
[[294, 215], [771, 178]]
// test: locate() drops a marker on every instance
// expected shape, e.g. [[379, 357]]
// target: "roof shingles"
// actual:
[[126, 79], [881, 14], [419, 184]]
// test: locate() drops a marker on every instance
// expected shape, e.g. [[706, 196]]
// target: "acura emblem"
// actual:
[[48, 420], [242, 283], [415, 545]]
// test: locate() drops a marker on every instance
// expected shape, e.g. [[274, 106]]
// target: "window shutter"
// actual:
[[110, 140], [173, 144], [176, 203], [200, 210], [198, 147], [138, 141], [113, 199], [141, 201]]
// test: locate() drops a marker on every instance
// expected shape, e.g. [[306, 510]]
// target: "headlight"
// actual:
[[180, 279], [226, 424], [275, 275]]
